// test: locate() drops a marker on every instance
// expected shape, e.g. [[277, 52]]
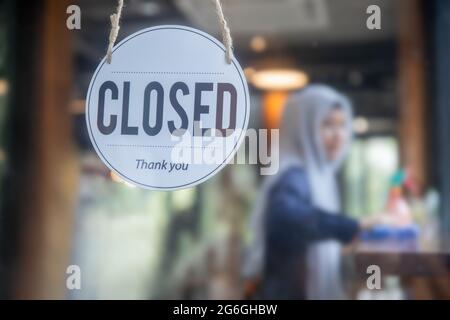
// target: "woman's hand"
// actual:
[[365, 223], [369, 222], [351, 247]]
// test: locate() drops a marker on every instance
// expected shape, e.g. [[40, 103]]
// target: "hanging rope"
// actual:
[[115, 27], [226, 33]]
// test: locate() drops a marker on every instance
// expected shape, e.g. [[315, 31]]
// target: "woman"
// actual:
[[298, 226]]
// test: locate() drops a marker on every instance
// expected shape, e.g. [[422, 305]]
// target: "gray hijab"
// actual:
[[300, 146]]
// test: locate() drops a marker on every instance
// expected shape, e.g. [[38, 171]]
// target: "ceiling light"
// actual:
[[360, 125], [258, 44], [249, 72], [3, 87], [279, 79], [148, 8], [77, 106]]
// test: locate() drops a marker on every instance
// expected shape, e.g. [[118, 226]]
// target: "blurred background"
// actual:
[[61, 205]]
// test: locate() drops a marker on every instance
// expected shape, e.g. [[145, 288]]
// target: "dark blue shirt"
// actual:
[[292, 223]]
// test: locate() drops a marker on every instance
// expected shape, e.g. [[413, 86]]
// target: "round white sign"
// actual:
[[168, 112]]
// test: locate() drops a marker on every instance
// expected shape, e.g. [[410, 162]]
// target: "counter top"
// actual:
[[405, 257]]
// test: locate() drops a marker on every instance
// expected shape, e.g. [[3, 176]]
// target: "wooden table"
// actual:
[[423, 266], [405, 258]]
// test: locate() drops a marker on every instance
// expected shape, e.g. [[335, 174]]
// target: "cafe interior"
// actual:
[[61, 206]]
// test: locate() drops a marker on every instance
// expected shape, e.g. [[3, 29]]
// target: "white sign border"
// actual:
[[227, 158]]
